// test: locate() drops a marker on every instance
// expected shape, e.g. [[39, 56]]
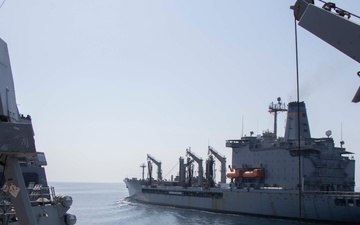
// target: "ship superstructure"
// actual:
[[266, 161], [264, 177], [25, 196]]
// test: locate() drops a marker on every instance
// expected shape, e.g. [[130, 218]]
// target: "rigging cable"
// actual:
[[171, 169], [2, 3], [298, 114]]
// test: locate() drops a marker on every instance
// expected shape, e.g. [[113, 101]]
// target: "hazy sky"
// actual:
[[107, 82]]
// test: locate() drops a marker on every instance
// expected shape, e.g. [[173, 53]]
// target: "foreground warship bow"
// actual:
[[25, 197], [264, 177]]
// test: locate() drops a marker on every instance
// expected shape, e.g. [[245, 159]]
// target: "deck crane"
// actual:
[[183, 167], [222, 160], [181, 171], [334, 28], [199, 161], [158, 164], [190, 171]]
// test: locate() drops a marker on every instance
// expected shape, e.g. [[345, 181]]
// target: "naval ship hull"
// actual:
[[266, 175], [316, 206]]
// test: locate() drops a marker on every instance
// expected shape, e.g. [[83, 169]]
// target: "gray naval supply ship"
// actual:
[[294, 177], [264, 176], [25, 196]]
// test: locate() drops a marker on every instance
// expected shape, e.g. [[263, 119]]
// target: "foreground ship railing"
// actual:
[[41, 198]]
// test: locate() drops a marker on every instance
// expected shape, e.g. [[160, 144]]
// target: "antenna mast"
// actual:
[[275, 108], [143, 168]]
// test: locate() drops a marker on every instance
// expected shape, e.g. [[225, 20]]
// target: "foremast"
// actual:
[[276, 108]]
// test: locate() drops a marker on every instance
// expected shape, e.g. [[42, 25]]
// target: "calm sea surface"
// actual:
[[106, 204]]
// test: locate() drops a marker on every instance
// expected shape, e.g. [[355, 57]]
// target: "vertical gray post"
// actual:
[[14, 178], [181, 171]]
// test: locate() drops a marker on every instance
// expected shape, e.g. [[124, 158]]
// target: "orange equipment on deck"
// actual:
[[256, 173], [235, 174]]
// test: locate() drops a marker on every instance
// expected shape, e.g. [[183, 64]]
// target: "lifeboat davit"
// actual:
[[256, 173], [234, 174]]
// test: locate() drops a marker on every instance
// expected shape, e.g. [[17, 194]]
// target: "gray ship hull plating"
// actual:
[[267, 175], [316, 206]]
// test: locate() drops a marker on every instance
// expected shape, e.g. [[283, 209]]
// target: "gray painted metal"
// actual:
[[158, 164], [15, 181], [222, 160], [25, 198], [356, 98], [265, 178], [270, 203], [337, 31], [8, 105], [334, 29], [17, 138], [199, 161]]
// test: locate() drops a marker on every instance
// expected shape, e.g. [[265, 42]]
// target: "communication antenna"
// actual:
[[276, 108], [242, 126], [342, 142], [341, 136]]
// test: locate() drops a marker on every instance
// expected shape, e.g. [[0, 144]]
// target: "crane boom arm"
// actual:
[[153, 160], [222, 160], [193, 156], [199, 162], [332, 28], [158, 164]]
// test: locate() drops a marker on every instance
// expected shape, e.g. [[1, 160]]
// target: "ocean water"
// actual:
[[106, 204]]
